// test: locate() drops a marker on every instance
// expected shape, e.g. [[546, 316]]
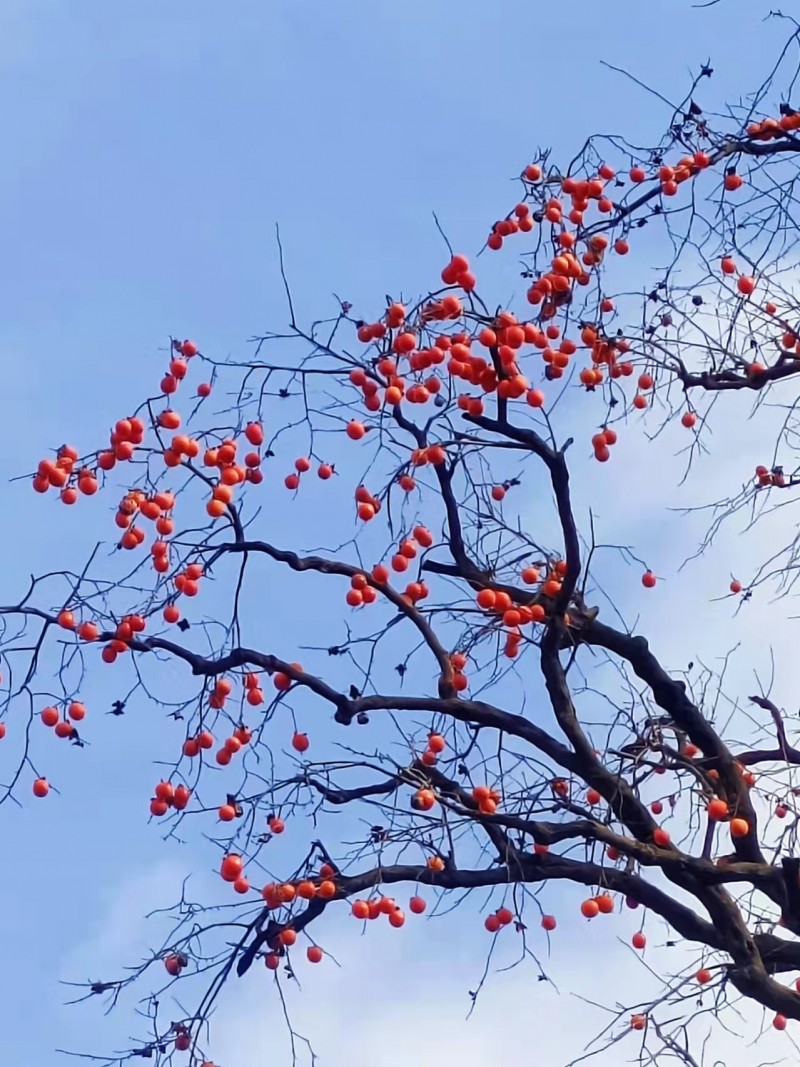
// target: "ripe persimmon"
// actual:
[[605, 903], [423, 799], [486, 599], [436, 743], [231, 867], [76, 711], [254, 433], [50, 716], [745, 284]]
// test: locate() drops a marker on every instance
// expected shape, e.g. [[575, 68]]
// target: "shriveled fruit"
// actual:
[[174, 964]]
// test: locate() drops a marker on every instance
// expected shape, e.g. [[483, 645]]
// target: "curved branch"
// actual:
[[328, 566]]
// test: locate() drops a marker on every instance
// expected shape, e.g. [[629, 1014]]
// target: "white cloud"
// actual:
[[393, 1003]]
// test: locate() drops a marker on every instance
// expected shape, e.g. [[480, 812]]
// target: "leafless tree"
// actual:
[[434, 422]]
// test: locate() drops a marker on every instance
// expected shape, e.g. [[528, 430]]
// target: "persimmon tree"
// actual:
[[459, 729]]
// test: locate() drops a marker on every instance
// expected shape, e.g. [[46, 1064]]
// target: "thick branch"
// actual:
[[670, 695]]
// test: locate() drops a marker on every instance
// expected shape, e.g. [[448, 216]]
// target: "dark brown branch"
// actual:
[[328, 566], [671, 696]]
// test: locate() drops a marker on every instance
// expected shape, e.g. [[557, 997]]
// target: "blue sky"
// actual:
[[149, 151]]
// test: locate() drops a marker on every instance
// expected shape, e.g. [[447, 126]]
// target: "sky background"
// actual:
[[149, 151]]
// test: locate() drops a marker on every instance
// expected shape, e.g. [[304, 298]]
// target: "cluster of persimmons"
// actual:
[[444, 353]]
